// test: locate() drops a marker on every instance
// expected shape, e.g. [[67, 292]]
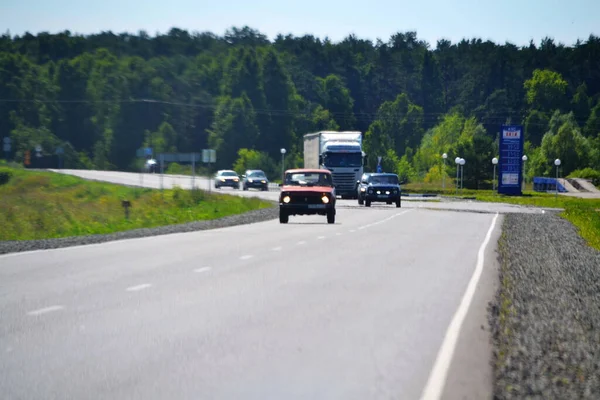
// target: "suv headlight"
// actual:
[[286, 199], [363, 189], [250, 180], [325, 199]]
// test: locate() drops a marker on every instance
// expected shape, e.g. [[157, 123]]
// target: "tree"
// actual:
[[234, 127], [565, 141], [253, 159], [545, 90], [536, 124], [336, 98], [581, 104]]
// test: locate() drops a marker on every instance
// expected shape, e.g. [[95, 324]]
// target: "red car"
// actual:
[[307, 192]]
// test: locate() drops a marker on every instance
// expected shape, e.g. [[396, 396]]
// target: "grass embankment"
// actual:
[[583, 213], [42, 205]]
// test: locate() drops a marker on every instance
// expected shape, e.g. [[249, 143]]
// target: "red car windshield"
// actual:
[[308, 179]]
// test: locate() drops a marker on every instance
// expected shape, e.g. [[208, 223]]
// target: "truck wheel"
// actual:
[[331, 217], [398, 203], [245, 187], [360, 201], [283, 217], [367, 203]]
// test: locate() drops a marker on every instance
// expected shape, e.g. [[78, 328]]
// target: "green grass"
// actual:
[[41, 205]]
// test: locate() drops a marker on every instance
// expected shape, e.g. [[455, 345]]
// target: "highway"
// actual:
[[385, 304]]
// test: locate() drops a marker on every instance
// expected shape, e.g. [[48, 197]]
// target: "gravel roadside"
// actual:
[[232, 220], [546, 318]]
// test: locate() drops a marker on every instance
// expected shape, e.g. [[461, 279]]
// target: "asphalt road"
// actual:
[[385, 304]]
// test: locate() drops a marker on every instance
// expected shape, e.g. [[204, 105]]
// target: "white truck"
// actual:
[[339, 152]]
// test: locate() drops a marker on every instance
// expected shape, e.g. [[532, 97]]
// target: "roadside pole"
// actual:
[[193, 171], [162, 165]]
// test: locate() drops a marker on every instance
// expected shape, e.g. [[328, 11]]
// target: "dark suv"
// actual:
[[380, 187], [255, 178]]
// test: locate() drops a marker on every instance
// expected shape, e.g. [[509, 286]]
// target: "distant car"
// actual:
[[360, 193], [307, 192], [151, 165], [226, 178], [380, 187], [255, 178]]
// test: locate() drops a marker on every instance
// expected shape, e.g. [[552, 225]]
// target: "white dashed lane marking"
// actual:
[[45, 310], [137, 288], [203, 269], [276, 248], [246, 257]]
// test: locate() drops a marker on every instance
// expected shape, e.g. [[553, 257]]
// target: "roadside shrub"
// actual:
[[5, 175]]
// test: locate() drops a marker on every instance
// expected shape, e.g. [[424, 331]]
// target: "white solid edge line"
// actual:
[[138, 287], [45, 310], [437, 379], [276, 248]]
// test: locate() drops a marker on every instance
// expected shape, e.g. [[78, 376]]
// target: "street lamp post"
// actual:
[[524, 158], [557, 163], [282, 164], [444, 156], [495, 162], [457, 162], [462, 172]]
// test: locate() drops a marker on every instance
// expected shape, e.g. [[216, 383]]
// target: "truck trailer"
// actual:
[[339, 152]]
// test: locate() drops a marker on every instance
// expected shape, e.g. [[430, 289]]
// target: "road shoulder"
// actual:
[[471, 371]]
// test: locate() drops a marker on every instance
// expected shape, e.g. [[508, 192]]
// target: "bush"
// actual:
[[587, 173], [5, 175]]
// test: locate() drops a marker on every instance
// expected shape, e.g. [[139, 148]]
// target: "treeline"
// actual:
[[103, 96]]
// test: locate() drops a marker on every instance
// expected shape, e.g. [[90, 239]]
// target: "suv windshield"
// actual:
[[308, 179], [384, 179], [343, 159], [228, 173], [256, 174]]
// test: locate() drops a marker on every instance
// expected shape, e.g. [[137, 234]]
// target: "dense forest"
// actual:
[[101, 97]]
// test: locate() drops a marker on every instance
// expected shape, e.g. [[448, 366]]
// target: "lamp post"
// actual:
[[457, 162], [462, 172], [557, 163], [444, 156], [524, 158], [282, 164], [495, 162]]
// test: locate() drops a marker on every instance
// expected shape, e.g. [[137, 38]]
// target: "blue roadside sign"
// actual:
[[510, 163]]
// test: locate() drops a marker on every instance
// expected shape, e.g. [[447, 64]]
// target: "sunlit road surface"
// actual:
[[372, 307]]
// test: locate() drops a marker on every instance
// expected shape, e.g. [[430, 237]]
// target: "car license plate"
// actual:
[[316, 206], [382, 196]]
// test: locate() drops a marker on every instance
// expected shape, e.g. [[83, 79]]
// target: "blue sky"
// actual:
[[516, 21]]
